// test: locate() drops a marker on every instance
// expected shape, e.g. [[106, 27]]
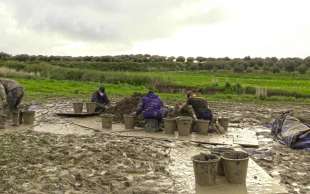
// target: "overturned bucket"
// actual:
[[28, 117], [78, 107], [184, 125], [235, 166], [205, 169], [91, 107], [129, 121], [106, 120], [202, 126], [170, 125]]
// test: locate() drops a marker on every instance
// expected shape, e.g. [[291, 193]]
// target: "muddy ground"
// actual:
[[290, 166], [92, 162]]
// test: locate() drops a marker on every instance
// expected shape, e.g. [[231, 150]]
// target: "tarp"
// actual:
[[291, 131]]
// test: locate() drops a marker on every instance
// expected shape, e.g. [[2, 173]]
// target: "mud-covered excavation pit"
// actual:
[[73, 155]]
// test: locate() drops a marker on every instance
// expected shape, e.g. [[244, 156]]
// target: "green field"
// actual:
[[286, 82], [46, 89]]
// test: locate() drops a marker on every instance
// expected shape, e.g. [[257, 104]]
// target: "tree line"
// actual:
[[146, 62]]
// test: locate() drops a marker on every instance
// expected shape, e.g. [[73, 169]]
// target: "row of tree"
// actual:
[[148, 62]]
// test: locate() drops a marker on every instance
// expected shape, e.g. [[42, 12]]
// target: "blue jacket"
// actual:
[[151, 107]]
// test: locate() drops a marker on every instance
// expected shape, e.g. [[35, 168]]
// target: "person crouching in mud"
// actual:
[[151, 107], [11, 94], [198, 107], [101, 99]]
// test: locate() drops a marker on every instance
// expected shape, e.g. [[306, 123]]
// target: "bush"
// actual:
[[302, 69], [275, 69], [238, 68]]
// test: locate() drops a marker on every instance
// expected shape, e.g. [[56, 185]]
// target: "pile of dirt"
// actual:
[[125, 106], [44, 163]]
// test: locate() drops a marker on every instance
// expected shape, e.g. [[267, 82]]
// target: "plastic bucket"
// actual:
[[184, 125], [170, 125], [202, 126], [224, 122], [129, 121], [107, 121], [78, 107], [91, 107], [205, 169], [235, 166], [220, 151], [28, 117]]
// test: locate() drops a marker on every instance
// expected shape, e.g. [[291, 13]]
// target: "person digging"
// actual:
[[11, 94], [101, 99]]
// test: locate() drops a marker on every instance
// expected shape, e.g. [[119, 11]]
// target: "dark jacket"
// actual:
[[96, 97], [200, 107], [151, 106]]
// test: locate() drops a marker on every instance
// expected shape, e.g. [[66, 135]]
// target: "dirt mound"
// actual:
[[125, 106]]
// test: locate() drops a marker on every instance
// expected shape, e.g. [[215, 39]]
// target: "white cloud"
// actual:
[[167, 27]]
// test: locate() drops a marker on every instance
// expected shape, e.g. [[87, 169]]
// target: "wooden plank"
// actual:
[[213, 139], [244, 137]]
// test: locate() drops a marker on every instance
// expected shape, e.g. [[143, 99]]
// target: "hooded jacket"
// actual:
[[151, 106]]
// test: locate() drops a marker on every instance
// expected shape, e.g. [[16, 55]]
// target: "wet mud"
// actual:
[[57, 155]]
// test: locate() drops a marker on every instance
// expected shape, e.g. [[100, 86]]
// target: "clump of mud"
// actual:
[[125, 106], [44, 163]]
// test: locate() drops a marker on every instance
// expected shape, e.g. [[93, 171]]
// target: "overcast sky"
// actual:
[[211, 28]]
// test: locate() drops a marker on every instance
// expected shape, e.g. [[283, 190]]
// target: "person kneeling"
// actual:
[[101, 99], [152, 109]]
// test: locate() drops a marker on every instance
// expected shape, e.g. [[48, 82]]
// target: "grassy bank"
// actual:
[[44, 89]]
